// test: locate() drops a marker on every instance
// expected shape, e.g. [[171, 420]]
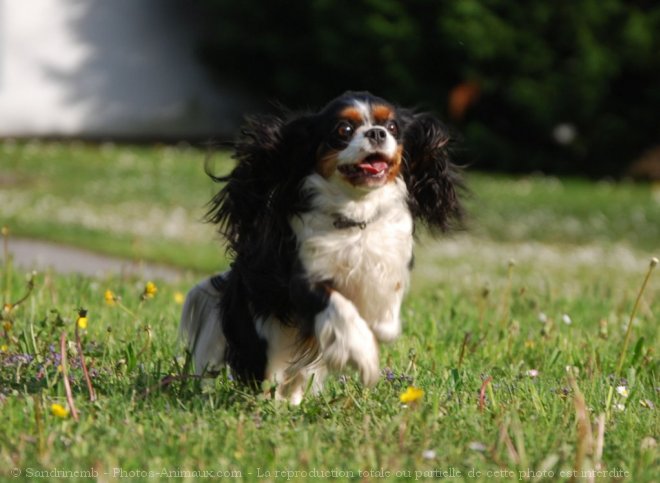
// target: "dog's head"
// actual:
[[360, 141], [363, 142]]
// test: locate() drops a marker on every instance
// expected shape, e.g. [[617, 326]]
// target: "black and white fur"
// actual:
[[319, 216]]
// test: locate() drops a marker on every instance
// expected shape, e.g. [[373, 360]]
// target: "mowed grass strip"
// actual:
[[147, 203]]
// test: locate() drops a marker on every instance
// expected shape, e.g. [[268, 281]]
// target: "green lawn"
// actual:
[[147, 203], [515, 360]]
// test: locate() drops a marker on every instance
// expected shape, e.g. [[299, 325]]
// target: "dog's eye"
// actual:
[[345, 130], [392, 127]]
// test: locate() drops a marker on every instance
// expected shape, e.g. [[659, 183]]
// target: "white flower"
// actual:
[[622, 391], [619, 407], [428, 454], [543, 318], [567, 319], [477, 446], [533, 373]]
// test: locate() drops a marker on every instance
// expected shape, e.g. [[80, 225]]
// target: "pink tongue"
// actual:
[[373, 168]]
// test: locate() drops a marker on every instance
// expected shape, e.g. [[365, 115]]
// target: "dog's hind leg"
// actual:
[[201, 327]]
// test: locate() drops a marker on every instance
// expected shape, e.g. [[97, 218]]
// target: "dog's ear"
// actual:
[[433, 180], [252, 206]]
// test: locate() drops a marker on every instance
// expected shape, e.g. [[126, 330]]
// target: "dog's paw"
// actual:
[[345, 338], [366, 360], [290, 391], [388, 330]]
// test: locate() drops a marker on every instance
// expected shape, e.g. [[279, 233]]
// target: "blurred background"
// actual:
[[545, 95], [570, 87]]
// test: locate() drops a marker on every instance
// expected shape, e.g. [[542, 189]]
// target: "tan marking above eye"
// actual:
[[381, 113], [352, 114]]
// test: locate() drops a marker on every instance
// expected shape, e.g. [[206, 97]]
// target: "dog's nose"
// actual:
[[376, 135]]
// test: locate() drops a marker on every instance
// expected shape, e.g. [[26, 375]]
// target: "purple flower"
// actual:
[[16, 359], [389, 375]]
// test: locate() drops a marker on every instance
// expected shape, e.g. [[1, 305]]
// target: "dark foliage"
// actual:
[[565, 86]]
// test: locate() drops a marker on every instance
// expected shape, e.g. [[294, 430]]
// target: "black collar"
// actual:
[[342, 222]]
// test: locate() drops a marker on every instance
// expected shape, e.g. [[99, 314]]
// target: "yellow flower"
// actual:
[[411, 395], [179, 298], [59, 411], [150, 290], [110, 297], [7, 325], [4, 348], [82, 318], [59, 368]]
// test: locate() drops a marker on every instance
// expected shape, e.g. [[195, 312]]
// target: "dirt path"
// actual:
[[40, 255]]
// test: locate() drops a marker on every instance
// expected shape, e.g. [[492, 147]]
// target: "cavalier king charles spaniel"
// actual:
[[319, 215]]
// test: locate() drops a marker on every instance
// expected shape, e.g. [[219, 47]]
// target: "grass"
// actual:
[[510, 388], [455, 338], [137, 202]]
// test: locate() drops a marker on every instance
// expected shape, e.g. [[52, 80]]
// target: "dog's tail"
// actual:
[[200, 329]]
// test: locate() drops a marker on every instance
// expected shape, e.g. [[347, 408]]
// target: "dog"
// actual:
[[319, 216]]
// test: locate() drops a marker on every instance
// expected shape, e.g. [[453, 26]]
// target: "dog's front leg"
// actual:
[[342, 335]]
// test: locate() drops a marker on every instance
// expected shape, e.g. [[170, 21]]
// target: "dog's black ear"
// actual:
[[433, 181], [245, 194], [252, 207]]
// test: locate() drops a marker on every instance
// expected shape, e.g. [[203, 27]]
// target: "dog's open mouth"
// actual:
[[373, 166]]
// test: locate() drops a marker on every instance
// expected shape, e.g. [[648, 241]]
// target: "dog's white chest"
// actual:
[[369, 265]]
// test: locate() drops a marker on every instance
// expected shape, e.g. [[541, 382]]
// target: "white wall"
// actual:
[[108, 68]]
